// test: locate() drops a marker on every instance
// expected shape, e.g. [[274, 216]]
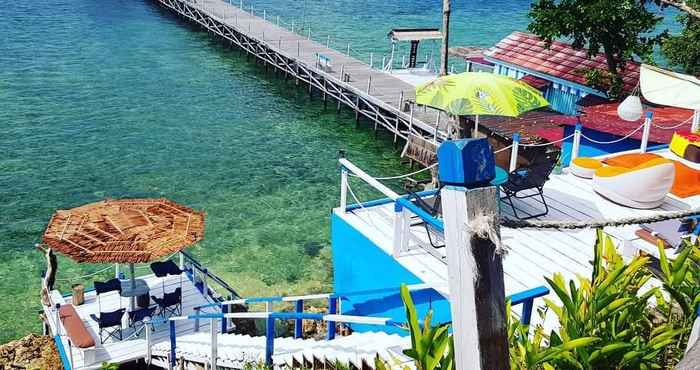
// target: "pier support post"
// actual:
[[357, 111], [475, 270]]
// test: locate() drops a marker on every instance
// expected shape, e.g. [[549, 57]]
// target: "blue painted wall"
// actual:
[[590, 149], [360, 265], [562, 101]]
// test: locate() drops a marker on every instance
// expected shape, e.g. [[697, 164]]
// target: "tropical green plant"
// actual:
[[608, 318], [432, 347], [683, 49], [108, 366]]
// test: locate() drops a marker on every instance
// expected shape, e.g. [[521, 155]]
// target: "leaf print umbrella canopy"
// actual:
[[479, 93]]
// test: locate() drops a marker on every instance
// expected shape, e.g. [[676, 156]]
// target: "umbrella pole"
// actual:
[[476, 127], [132, 300]]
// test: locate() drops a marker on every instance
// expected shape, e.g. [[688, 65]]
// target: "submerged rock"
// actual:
[[31, 352]]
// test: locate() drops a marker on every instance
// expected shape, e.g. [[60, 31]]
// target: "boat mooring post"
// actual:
[[474, 265]]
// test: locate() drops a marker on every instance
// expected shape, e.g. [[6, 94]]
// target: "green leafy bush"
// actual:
[[606, 322]]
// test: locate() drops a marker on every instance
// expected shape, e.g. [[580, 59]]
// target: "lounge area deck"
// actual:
[[533, 253], [133, 346]]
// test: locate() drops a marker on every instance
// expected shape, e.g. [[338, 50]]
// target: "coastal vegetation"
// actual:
[[621, 30], [626, 315]]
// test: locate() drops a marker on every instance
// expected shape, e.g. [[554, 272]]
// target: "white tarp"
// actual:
[[673, 89]]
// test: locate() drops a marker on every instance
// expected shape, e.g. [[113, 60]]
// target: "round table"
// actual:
[[138, 290], [501, 177]]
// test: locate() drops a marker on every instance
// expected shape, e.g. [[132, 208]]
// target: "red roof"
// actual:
[[536, 82], [604, 118], [560, 60]]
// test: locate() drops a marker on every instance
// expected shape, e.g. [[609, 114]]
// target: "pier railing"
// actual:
[[404, 236], [334, 316]]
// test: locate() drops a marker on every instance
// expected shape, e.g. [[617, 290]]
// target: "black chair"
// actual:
[[433, 206], [137, 317], [170, 304], [531, 179], [110, 323]]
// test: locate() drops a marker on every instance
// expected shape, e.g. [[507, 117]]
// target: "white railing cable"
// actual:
[[660, 127], [614, 141], [547, 143], [401, 176], [503, 149], [86, 276]]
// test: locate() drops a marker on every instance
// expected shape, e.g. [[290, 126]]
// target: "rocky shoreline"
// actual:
[[33, 352]]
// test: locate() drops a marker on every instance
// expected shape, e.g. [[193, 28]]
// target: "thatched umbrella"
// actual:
[[124, 231]]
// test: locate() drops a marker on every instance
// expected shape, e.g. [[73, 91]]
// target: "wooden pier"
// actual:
[[384, 99]]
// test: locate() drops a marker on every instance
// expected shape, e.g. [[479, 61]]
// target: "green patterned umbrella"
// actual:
[[479, 93]]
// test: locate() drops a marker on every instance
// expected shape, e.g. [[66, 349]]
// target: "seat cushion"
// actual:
[[585, 167], [687, 181], [644, 186], [630, 160], [76, 330]]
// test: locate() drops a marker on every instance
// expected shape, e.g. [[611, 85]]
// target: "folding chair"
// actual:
[[170, 304], [109, 322], [532, 177]]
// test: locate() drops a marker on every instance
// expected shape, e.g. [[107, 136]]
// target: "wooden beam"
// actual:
[[475, 277]]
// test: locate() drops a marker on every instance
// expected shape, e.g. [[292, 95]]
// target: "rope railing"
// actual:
[[660, 127], [547, 143], [591, 224], [613, 141]]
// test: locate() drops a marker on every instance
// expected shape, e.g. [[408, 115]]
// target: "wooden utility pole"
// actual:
[[445, 37], [475, 270]]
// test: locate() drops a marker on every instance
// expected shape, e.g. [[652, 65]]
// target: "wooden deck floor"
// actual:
[[385, 88], [135, 347], [533, 254]]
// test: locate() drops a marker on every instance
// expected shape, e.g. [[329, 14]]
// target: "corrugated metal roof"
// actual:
[[408, 34], [534, 127], [560, 60]]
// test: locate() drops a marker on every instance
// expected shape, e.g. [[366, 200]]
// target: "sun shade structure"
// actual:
[[480, 94], [415, 34], [124, 231]]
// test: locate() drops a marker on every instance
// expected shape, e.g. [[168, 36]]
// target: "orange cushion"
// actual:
[[610, 171], [687, 181], [76, 330], [586, 162], [630, 160]]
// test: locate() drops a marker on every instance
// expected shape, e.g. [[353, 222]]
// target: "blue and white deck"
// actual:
[[132, 347], [533, 253]]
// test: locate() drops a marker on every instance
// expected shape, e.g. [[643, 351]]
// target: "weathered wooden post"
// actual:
[[475, 270]]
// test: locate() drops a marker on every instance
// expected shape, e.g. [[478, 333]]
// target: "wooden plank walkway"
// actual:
[[373, 93]]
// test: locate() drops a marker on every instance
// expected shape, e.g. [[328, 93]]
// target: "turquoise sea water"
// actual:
[[116, 98]]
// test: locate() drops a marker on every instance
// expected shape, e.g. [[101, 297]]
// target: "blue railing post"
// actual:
[[298, 323], [527, 312], [332, 310], [173, 359], [224, 320], [269, 340]]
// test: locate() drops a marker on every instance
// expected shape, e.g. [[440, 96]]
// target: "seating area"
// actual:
[[638, 180], [104, 329]]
